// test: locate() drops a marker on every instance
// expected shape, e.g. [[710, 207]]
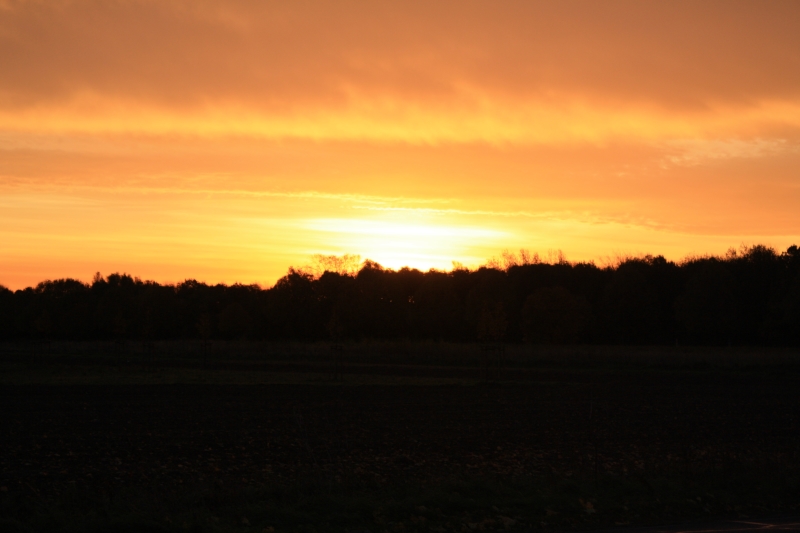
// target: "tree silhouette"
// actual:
[[630, 304], [203, 328], [707, 308], [492, 327], [6, 303], [791, 312], [492, 324], [749, 296], [553, 315], [234, 321]]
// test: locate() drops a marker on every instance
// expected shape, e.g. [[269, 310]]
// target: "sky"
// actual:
[[226, 141]]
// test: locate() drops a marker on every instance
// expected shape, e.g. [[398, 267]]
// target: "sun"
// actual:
[[417, 240]]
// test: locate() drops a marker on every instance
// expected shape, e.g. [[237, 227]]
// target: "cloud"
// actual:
[[529, 72], [374, 118], [207, 134], [692, 152]]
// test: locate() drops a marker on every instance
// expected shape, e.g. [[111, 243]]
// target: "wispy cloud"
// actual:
[[358, 200], [529, 72], [584, 217], [690, 152]]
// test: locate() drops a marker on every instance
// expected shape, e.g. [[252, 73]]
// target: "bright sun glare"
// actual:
[[396, 243]]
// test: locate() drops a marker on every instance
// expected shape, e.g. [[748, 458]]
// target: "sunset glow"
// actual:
[[226, 141]]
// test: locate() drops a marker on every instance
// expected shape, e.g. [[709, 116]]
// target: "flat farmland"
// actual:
[[560, 448]]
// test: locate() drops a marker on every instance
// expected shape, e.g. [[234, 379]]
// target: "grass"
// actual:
[[319, 504], [244, 362], [452, 505], [61, 374]]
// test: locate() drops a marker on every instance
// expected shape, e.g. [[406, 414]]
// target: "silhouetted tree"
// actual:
[[747, 296], [790, 323], [707, 309], [436, 310], [553, 315], [6, 302], [630, 304], [234, 321], [492, 324]]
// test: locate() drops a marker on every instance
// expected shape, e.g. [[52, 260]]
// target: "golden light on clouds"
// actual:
[[391, 119], [228, 140]]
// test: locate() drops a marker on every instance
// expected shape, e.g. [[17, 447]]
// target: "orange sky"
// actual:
[[225, 141]]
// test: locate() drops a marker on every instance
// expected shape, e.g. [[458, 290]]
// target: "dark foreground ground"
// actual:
[[562, 449]]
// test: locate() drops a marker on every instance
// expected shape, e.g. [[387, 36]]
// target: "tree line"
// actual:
[[749, 296]]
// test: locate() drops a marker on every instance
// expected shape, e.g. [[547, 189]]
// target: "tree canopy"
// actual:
[[750, 296]]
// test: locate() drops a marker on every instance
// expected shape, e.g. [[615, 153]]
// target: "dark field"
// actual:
[[539, 446]]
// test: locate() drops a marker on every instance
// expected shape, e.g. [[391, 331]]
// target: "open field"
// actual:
[[417, 440], [402, 362]]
